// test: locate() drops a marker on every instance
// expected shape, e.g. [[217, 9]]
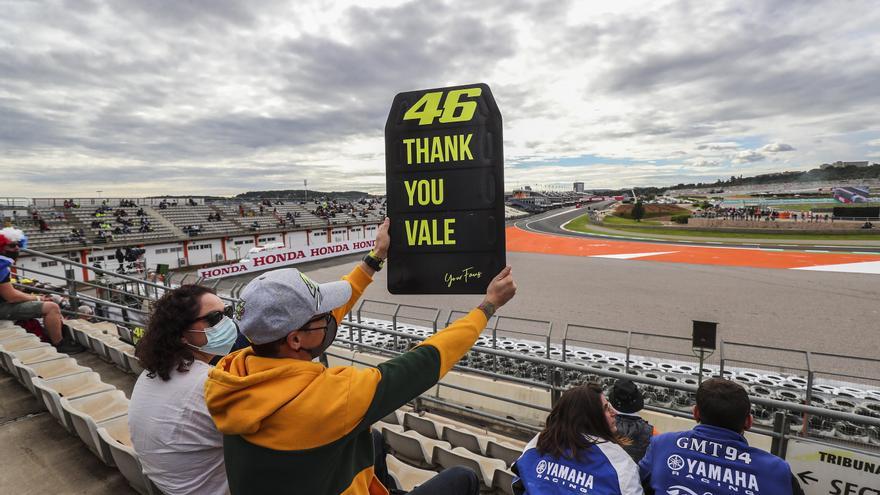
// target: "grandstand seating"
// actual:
[[71, 387]]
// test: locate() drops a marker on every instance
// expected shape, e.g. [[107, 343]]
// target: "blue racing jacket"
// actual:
[[710, 459], [603, 469]]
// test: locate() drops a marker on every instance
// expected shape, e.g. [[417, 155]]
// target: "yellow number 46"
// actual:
[[428, 107]]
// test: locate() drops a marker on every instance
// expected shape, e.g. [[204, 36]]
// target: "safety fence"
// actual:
[[796, 394]]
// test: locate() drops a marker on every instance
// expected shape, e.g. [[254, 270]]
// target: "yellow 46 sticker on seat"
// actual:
[[453, 109]]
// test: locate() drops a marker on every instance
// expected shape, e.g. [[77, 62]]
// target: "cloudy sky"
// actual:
[[140, 97]]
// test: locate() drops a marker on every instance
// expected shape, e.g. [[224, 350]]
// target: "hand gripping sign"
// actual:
[[444, 165]]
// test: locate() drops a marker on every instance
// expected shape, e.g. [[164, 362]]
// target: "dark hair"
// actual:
[[723, 403], [578, 412], [161, 348]]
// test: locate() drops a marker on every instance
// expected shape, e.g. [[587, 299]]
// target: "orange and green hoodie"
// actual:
[[294, 426]]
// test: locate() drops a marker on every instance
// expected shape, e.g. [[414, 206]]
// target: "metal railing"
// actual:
[[557, 370]]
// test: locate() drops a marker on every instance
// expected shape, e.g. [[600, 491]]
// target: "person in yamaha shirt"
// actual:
[[579, 451], [17, 305], [714, 457]]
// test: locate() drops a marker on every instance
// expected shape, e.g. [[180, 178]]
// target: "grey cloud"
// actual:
[[748, 156], [718, 146]]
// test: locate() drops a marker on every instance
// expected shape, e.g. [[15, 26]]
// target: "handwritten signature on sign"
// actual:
[[465, 276]]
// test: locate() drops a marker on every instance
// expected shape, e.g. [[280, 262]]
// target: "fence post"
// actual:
[[555, 386], [780, 428], [70, 275], [629, 338]]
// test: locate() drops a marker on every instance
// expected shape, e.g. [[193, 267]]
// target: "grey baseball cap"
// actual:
[[281, 301]]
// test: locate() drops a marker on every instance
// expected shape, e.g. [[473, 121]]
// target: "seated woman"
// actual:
[[171, 430], [578, 451]]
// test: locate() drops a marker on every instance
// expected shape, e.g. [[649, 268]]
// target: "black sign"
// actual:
[[444, 166], [703, 336], [857, 212]]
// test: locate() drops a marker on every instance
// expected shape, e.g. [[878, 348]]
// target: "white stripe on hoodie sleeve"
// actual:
[[627, 471]]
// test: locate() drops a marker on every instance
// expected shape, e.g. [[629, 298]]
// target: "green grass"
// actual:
[[615, 220], [582, 224]]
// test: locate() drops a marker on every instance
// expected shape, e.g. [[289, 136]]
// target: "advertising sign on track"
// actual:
[[830, 470]]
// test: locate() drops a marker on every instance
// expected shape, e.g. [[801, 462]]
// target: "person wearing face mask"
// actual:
[[16, 305], [292, 425], [178, 445]]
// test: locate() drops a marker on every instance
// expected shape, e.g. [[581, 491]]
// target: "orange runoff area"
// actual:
[[530, 242]]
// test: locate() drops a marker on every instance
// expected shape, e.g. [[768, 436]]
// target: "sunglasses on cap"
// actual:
[[214, 317]]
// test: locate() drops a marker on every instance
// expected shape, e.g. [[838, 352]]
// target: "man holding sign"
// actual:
[[292, 425]]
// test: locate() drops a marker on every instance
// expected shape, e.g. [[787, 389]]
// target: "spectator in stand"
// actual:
[[627, 401], [714, 455], [292, 425], [86, 313], [580, 438], [43, 225], [176, 441], [17, 305]]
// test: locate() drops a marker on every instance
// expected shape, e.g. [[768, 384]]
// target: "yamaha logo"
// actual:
[[675, 462], [541, 467]]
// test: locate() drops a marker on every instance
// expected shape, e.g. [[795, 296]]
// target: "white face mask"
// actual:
[[221, 337]]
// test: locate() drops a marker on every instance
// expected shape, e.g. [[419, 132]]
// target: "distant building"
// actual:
[[578, 187], [840, 164]]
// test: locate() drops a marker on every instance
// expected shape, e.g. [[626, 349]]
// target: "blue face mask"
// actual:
[[221, 337]]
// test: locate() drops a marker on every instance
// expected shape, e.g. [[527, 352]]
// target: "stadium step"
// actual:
[[159, 218]]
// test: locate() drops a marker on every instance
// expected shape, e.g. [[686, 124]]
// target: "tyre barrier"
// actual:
[[783, 387]]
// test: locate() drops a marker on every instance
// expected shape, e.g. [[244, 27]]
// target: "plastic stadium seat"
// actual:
[[87, 412], [71, 387], [133, 363], [483, 466], [381, 425], [10, 332], [393, 418], [18, 343], [466, 439], [116, 349], [99, 343], [27, 357], [426, 427], [412, 448], [506, 453], [81, 331], [115, 436], [125, 334], [407, 477], [46, 370], [503, 482]]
